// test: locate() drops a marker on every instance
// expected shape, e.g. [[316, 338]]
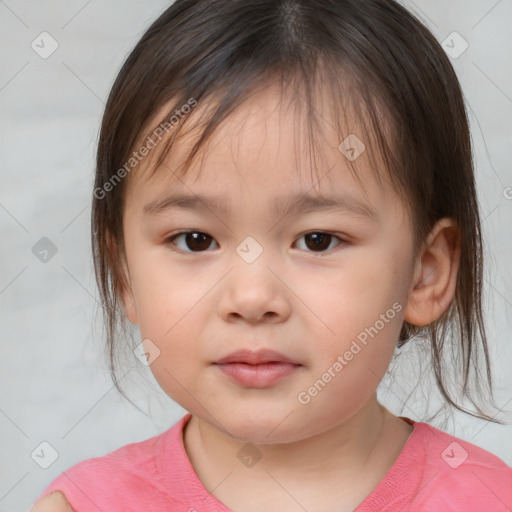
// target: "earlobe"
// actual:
[[434, 283]]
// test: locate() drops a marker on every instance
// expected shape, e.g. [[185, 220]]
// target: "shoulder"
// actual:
[[129, 471], [451, 453], [462, 472], [53, 502]]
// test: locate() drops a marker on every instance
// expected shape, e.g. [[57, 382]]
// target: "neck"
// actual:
[[365, 444]]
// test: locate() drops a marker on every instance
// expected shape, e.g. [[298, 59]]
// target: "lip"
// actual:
[[261, 356], [257, 369]]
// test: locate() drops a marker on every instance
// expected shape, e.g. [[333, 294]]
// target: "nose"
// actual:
[[254, 293]]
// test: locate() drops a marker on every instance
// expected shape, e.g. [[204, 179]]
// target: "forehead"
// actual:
[[266, 148]]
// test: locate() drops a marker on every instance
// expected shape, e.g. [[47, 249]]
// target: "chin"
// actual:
[[261, 428]]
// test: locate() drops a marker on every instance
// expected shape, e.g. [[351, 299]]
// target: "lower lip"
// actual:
[[257, 375]]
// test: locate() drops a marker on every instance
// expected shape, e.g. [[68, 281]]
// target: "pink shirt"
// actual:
[[434, 472]]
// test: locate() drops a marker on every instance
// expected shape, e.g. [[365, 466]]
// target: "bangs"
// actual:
[[325, 97]]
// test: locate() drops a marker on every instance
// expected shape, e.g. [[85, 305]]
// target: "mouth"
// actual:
[[257, 369], [256, 357]]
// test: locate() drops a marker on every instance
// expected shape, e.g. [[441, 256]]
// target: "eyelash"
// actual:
[[170, 241]]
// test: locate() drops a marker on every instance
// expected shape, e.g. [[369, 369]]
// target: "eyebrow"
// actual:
[[298, 203]]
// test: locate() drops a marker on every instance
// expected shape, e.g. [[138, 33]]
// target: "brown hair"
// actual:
[[374, 55]]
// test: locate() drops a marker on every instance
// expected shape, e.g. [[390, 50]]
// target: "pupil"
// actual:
[[195, 238], [320, 240]]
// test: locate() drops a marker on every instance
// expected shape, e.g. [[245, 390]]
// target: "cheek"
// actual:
[[346, 373], [168, 298], [174, 307], [358, 318], [348, 367], [353, 297]]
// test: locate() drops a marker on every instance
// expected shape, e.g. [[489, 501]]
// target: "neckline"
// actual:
[[386, 490], [190, 486]]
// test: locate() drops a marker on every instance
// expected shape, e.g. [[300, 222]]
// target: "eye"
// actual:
[[197, 241], [318, 241]]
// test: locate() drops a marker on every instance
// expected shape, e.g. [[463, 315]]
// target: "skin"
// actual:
[[197, 307], [53, 502]]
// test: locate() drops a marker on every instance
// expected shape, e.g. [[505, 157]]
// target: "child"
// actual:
[[273, 339]]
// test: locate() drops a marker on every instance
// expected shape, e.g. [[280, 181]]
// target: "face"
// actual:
[[323, 286]]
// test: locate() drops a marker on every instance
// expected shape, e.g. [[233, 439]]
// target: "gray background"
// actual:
[[54, 380]]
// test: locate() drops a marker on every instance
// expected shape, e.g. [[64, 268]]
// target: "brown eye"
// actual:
[[194, 241], [197, 241], [318, 241]]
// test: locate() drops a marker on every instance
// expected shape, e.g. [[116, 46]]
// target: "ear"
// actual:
[[123, 278], [435, 277]]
